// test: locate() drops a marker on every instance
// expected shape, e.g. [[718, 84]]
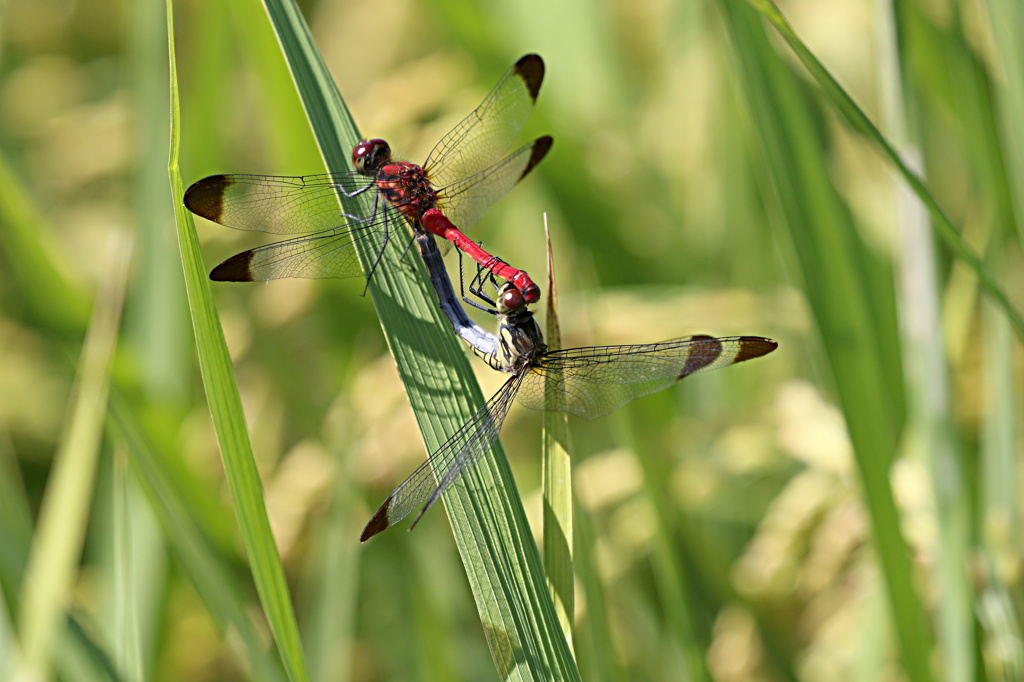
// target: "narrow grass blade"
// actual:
[[1006, 18], [999, 497], [676, 593], [127, 649], [29, 254], [947, 231], [557, 479], [501, 559], [47, 585], [210, 573], [851, 297], [594, 642], [331, 588], [228, 419]]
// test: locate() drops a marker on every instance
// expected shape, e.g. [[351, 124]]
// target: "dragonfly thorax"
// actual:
[[520, 340], [406, 187]]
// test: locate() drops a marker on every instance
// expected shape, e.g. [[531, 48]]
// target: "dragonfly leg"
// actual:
[[386, 235], [351, 217], [484, 276], [405, 252], [354, 193], [476, 288]]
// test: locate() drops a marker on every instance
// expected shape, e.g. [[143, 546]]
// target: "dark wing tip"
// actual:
[[531, 69], [754, 347], [378, 523], [540, 149], [709, 350], [206, 197], [238, 268]]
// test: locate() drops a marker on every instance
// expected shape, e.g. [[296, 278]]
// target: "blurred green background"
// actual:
[[700, 182]]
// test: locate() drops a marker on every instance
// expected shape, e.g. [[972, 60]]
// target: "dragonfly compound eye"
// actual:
[[510, 299], [369, 155]]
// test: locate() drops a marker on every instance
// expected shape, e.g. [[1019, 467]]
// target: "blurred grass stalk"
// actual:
[[850, 293], [999, 446], [57, 307], [928, 431], [60, 534], [858, 120], [1006, 20], [928, 434]]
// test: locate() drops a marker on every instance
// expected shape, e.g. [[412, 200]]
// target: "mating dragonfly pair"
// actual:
[[463, 175]]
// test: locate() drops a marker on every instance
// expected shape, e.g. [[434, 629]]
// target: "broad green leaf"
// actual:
[[501, 559]]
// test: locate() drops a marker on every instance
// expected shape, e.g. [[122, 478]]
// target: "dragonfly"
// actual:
[[463, 175], [588, 382]]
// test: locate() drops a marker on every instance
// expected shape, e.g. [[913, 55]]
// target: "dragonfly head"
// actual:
[[510, 300], [369, 156]]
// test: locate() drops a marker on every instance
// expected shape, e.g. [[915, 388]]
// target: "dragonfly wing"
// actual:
[[329, 254], [467, 200], [430, 480], [481, 138], [592, 382], [275, 204]]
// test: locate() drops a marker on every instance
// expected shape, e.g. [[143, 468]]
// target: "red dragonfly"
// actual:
[[463, 175]]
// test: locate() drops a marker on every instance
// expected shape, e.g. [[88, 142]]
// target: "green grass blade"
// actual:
[[1000, 497], [228, 419], [32, 258], [501, 559], [594, 642], [676, 592], [947, 231], [557, 481], [846, 288], [128, 648], [209, 571], [1006, 18], [49, 577]]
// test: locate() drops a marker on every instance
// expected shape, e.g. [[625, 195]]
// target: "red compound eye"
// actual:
[[369, 155], [511, 299]]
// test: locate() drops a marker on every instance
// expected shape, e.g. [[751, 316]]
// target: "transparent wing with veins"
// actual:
[[480, 139], [430, 480], [306, 205], [275, 204], [595, 381], [469, 198]]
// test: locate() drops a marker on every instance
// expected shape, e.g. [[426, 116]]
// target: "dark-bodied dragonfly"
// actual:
[[587, 382], [463, 175]]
